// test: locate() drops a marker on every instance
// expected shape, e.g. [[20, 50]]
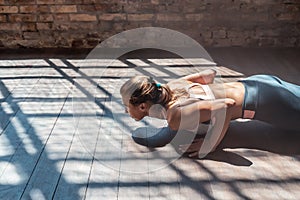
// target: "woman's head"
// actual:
[[141, 92]]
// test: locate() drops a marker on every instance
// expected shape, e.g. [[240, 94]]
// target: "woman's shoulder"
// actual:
[[173, 115], [180, 103]]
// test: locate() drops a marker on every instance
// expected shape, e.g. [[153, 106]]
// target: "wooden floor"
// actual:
[[64, 133]]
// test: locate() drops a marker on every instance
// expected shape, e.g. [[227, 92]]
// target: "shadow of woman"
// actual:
[[252, 135]]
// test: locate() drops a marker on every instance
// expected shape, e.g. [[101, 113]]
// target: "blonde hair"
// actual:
[[140, 89]]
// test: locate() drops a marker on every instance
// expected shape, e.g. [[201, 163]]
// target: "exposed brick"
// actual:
[[74, 26], [10, 26], [92, 42], [118, 26], [221, 33], [78, 2], [222, 42], [9, 9], [33, 43], [44, 26], [61, 17], [45, 18], [110, 17], [93, 35], [266, 42], [194, 17], [106, 26], [86, 8], [61, 27], [238, 41], [3, 18], [169, 17], [137, 24], [19, 2], [155, 2], [251, 42], [103, 7], [30, 27], [142, 8], [9, 35], [28, 9], [109, 7], [31, 35], [235, 33], [43, 9], [22, 18], [83, 17], [267, 32], [140, 17], [206, 34], [286, 16], [77, 43], [293, 8], [288, 41], [164, 8], [49, 1], [61, 42], [67, 23], [191, 8], [64, 9], [263, 3], [258, 17]]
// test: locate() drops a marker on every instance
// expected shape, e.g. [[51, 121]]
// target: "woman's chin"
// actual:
[[138, 119]]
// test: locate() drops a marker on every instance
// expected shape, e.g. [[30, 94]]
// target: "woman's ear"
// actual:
[[143, 107]]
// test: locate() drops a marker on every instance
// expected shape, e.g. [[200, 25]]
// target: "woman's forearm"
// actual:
[[223, 132], [203, 77]]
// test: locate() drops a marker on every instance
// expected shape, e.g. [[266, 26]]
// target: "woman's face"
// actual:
[[137, 112]]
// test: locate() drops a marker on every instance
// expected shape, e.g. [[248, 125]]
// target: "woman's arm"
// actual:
[[181, 116], [218, 111], [194, 149], [203, 77]]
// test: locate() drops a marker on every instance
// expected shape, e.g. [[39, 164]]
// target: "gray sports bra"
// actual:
[[209, 95]]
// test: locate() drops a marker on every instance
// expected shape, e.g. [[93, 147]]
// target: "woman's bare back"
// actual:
[[232, 90]]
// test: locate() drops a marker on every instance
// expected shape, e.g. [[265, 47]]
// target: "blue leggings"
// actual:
[[274, 101]]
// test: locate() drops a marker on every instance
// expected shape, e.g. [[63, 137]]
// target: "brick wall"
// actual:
[[85, 23]]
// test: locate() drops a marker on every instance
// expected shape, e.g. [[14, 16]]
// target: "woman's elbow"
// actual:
[[173, 126], [173, 123]]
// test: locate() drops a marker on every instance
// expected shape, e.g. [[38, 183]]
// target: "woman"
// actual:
[[195, 99]]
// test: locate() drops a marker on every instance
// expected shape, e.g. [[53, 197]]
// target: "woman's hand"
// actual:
[[193, 149], [204, 77]]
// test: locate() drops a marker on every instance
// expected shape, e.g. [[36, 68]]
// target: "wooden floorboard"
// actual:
[[64, 133], [21, 131]]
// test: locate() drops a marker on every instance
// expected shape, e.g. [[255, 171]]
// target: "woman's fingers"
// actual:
[[193, 154], [229, 102], [222, 103]]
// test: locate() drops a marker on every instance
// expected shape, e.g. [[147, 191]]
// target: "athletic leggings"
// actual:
[[268, 98], [273, 100]]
